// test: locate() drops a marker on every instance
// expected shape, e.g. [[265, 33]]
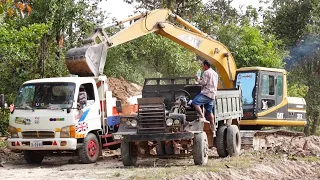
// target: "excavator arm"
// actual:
[[90, 59]]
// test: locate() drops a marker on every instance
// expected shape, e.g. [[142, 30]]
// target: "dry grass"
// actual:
[[169, 169], [3, 144]]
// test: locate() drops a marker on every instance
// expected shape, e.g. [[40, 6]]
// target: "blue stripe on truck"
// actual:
[[84, 115]]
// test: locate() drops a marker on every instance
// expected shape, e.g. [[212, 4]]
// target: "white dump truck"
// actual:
[[63, 115]]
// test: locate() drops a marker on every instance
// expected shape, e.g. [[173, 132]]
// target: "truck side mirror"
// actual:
[[2, 100], [118, 106]]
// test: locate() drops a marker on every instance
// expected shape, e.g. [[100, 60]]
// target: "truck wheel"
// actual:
[[200, 149], [221, 141], [129, 153], [233, 140], [89, 152], [33, 157]]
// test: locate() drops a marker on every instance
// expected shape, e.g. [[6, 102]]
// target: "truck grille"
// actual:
[[151, 118], [37, 134]]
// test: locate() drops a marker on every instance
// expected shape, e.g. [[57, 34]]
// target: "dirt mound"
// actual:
[[282, 170], [122, 89], [297, 146]]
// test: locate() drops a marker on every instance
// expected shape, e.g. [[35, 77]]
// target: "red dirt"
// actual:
[[122, 89]]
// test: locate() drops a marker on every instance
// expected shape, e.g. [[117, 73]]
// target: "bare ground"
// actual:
[[250, 165], [294, 158]]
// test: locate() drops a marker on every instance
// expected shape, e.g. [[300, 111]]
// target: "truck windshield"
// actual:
[[45, 96], [247, 81]]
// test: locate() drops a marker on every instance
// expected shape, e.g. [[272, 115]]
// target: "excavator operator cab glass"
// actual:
[[247, 81]]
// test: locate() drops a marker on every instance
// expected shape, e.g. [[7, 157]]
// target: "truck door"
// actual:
[[90, 111], [267, 98]]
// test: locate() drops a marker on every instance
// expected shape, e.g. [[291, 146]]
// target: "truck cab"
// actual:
[[62, 114]]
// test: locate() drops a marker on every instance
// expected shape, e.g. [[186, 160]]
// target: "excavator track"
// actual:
[[257, 140]]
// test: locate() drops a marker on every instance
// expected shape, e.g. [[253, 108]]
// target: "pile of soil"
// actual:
[[296, 146], [122, 89]]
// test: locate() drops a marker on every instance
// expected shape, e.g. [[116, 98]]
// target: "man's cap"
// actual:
[[206, 63]]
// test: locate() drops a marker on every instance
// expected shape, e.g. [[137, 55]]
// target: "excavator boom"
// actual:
[[90, 59]]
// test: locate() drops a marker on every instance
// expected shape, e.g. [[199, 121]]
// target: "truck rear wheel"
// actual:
[[89, 152], [129, 153], [233, 140], [200, 149], [33, 157], [221, 141]]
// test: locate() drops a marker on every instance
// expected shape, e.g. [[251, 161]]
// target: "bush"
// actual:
[[4, 122]]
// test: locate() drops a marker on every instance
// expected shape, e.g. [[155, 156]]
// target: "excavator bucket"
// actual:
[[87, 60]]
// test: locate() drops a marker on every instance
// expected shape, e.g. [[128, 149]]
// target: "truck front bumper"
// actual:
[[54, 144], [129, 136]]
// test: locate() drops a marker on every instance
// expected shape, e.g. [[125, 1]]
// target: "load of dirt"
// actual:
[[122, 89], [295, 146]]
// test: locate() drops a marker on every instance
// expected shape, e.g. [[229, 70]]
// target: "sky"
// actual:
[[121, 10]]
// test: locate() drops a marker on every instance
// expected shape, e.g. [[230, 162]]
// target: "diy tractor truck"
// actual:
[[166, 125]]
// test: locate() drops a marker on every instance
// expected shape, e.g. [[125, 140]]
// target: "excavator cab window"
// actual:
[[247, 81]]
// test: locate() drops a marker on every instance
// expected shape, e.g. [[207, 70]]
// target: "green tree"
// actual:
[[288, 19], [18, 49], [250, 47], [185, 8]]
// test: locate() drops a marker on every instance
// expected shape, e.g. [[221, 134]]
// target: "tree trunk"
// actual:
[[43, 55], [315, 125], [306, 130]]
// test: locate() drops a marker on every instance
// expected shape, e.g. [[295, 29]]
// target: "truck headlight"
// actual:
[[68, 132], [13, 132], [134, 123], [129, 122], [169, 122], [176, 122]]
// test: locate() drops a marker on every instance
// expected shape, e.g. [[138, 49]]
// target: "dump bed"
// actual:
[[228, 104]]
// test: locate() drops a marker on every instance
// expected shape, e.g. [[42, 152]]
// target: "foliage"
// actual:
[[12, 8], [251, 48], [19, 48], [184, 8], [288, 19], [150, 56]]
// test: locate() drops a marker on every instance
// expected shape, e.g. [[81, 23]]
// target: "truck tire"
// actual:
[[89, 152], [200, 149], [128, 153], [233, 140], [221, 141], [33, 157]]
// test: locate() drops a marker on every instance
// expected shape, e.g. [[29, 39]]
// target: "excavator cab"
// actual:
[[265, 100]]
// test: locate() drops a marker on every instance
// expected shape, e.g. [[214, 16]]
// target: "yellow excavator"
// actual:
[[264, 90]]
